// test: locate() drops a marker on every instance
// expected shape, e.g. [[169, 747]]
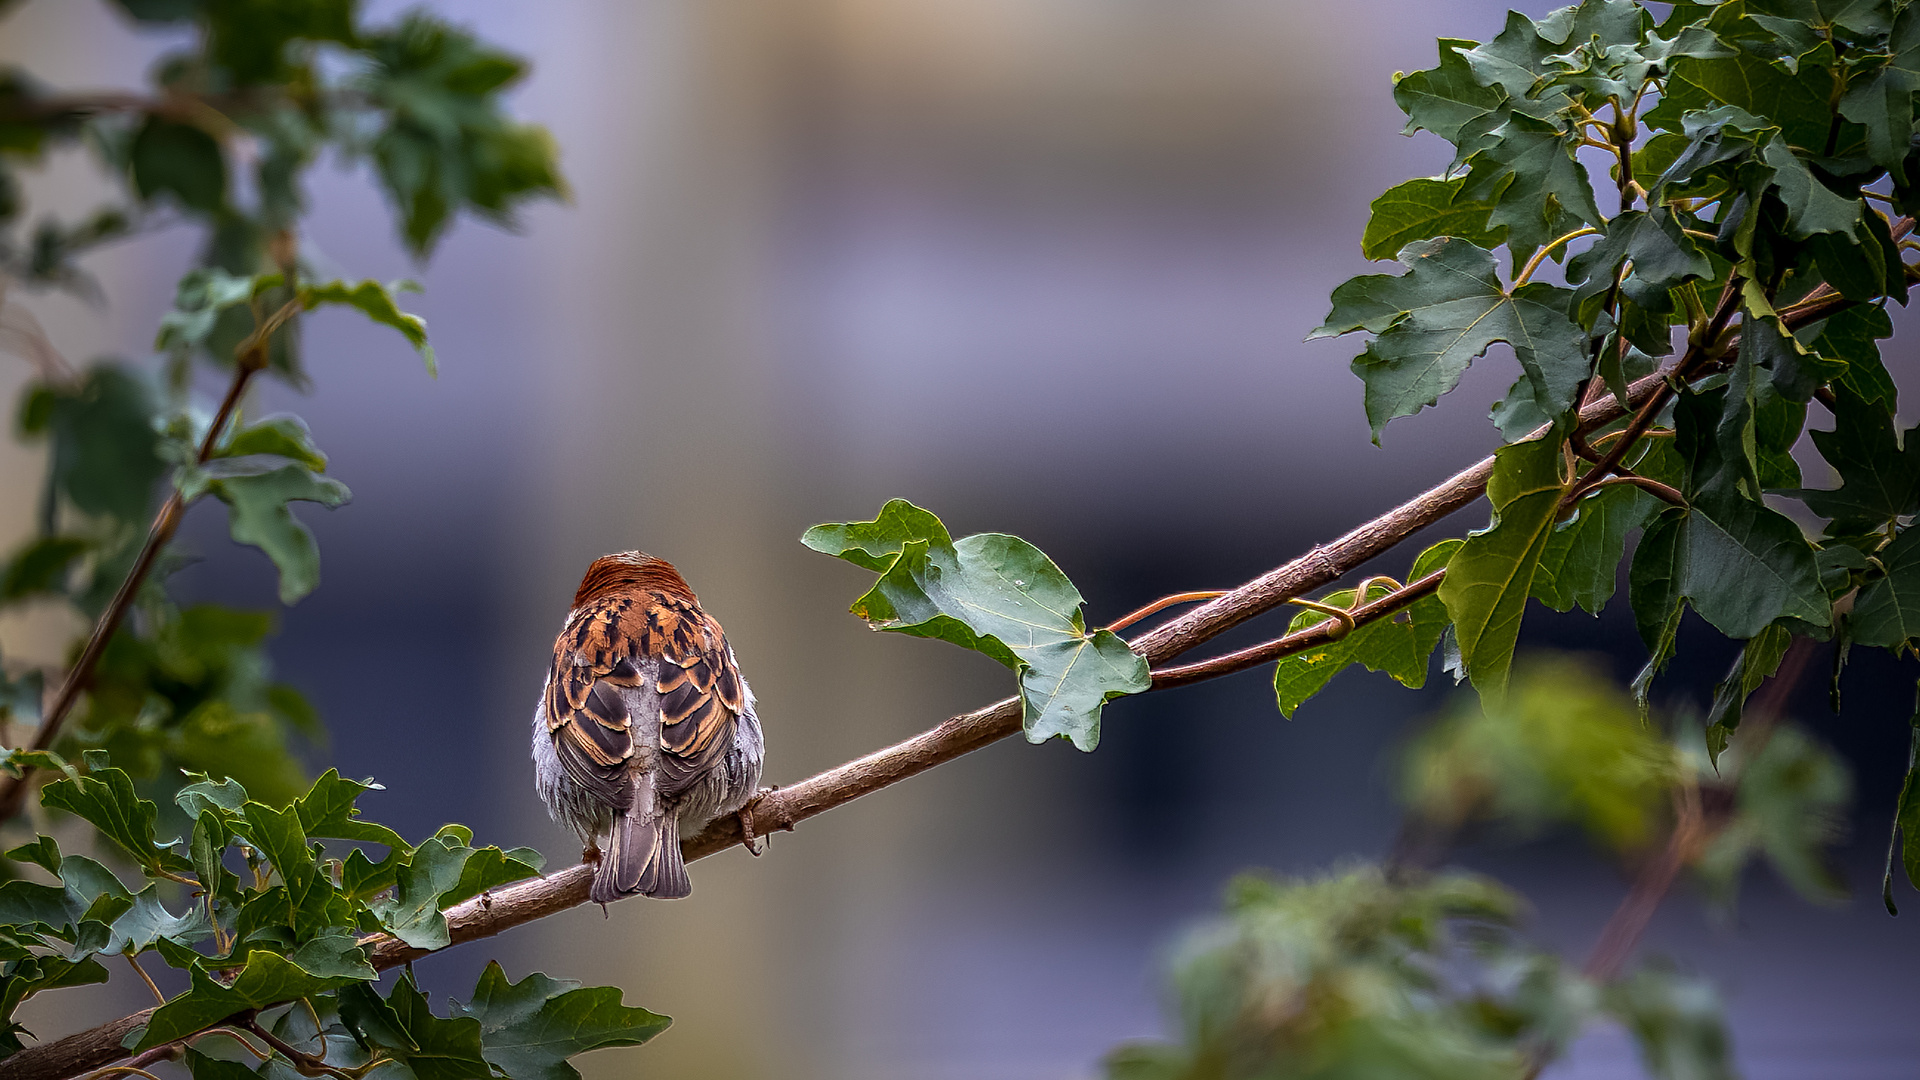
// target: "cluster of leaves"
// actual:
[[1762, 153], [1355, 974], [995, 594], [267, 931], [1567, 748], [1371, 972], [234, 122]]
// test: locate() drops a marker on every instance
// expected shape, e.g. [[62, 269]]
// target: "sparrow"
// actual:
[[645, 731]]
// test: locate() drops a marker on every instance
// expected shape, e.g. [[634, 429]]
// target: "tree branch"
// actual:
[[784, 808], [250, 357]]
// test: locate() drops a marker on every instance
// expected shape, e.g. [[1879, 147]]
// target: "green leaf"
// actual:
[[1850, 336], [413, 912], [1663, 257], [875, 545], [179, 160], [997, 595], [267, 979], [1489, 578], [334, 953], [260, 517], [1446, 310], [1791, 807], [446, 144], [202, 1067], [282, 436], [199, 301], [376, 302], [250, 41], [1879, 471], [107, 801], [106, 456], [432, 1047], [44, 852], [1759, 658], [41, 567], [206, 794], [1740, 564], [1399, 648], [1422, 209], [1905, 837], [1581, 559], [148, 920], [311, 903], [1812, 207], [328, 810], [1883, 103], [1678, 1023], [1887, 612], [1450, 102], [1540, 190], [529, 1029], [1796, 101]]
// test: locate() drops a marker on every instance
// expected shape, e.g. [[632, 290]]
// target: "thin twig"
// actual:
[[134, 962], [250, 358]]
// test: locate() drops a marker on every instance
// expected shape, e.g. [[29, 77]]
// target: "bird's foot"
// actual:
[[747, 836], [590, 854]]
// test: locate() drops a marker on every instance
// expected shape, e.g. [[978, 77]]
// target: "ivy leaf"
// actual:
[[106, 800], [281, 436], [1489, 578], [1879, 471], [260, 517], [311, 903], [997, 595], [376, 302], [1446, 310], [1516, 62], [267, 979], [529, 1029], [1425, 208], [44, 853], [1399, 648], [179, 160], [1450, 102], [1906, 818]]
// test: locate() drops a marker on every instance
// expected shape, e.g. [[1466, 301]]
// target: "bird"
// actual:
[[645, 730]]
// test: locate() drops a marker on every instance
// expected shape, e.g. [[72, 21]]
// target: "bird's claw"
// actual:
[[748, 839]]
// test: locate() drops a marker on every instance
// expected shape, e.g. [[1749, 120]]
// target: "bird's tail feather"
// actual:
[[643, 857]]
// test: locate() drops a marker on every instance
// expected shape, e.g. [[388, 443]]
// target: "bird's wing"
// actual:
[[622, 643]]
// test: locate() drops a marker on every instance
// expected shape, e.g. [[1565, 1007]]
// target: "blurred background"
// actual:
[[1042, 266]]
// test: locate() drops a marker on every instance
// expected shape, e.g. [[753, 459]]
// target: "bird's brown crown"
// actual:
[[630, 570]]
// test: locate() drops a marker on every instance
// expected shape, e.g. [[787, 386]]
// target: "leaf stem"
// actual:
[[134, 962], [1539, 256], [1664, 491]]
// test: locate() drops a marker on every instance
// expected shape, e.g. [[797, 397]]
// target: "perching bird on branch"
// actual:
[[646, 730]]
